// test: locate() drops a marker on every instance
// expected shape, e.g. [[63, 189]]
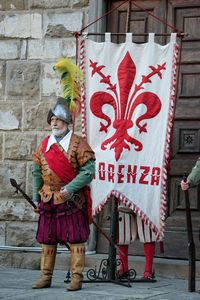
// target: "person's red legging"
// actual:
[[123, 258], [149, 252]]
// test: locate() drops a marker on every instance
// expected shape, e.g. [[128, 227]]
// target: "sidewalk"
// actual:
[[15, 284]]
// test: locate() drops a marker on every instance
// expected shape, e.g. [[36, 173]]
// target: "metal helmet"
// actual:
[[60, 110]]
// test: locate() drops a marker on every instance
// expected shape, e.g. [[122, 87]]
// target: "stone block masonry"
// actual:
[[33, 34]]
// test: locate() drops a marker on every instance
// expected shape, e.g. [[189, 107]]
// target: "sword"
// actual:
[[105, 235], [18, 188]]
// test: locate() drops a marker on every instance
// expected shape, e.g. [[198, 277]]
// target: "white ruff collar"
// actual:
[[64, 142]]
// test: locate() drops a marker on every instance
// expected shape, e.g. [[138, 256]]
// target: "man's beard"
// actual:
[[58, 132]]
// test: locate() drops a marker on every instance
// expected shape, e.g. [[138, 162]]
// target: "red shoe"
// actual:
[[148, 276]]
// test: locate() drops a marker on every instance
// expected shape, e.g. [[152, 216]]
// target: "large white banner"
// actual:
[[128, 108]]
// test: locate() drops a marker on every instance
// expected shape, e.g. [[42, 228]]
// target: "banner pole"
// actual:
[[191, 244], [113, 236]]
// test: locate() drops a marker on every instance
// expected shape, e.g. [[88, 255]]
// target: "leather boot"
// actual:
[[123, 260], [149, 251], [77, 266], [47, 266]]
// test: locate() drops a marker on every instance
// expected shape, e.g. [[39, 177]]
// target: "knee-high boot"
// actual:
[[77, 266], [149, 251], [123, 259], [48, 256]]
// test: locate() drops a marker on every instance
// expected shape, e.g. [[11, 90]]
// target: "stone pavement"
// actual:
[[15, 284]]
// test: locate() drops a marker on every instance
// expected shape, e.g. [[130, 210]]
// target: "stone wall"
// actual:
[[33, 34]]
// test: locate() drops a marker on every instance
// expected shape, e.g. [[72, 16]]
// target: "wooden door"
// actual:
[[184, 15]]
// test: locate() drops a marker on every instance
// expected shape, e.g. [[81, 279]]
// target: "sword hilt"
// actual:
[[185, 177], [18, 188]]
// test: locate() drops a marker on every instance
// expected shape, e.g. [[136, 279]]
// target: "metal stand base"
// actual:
[[108, 269]]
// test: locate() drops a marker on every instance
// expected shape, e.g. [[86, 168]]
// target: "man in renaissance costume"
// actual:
[[63, 166]]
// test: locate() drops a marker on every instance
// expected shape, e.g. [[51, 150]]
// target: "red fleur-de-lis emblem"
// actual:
[[124, 103]]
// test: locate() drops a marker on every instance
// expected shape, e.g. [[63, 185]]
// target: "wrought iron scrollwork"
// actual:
[[103, 272]]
